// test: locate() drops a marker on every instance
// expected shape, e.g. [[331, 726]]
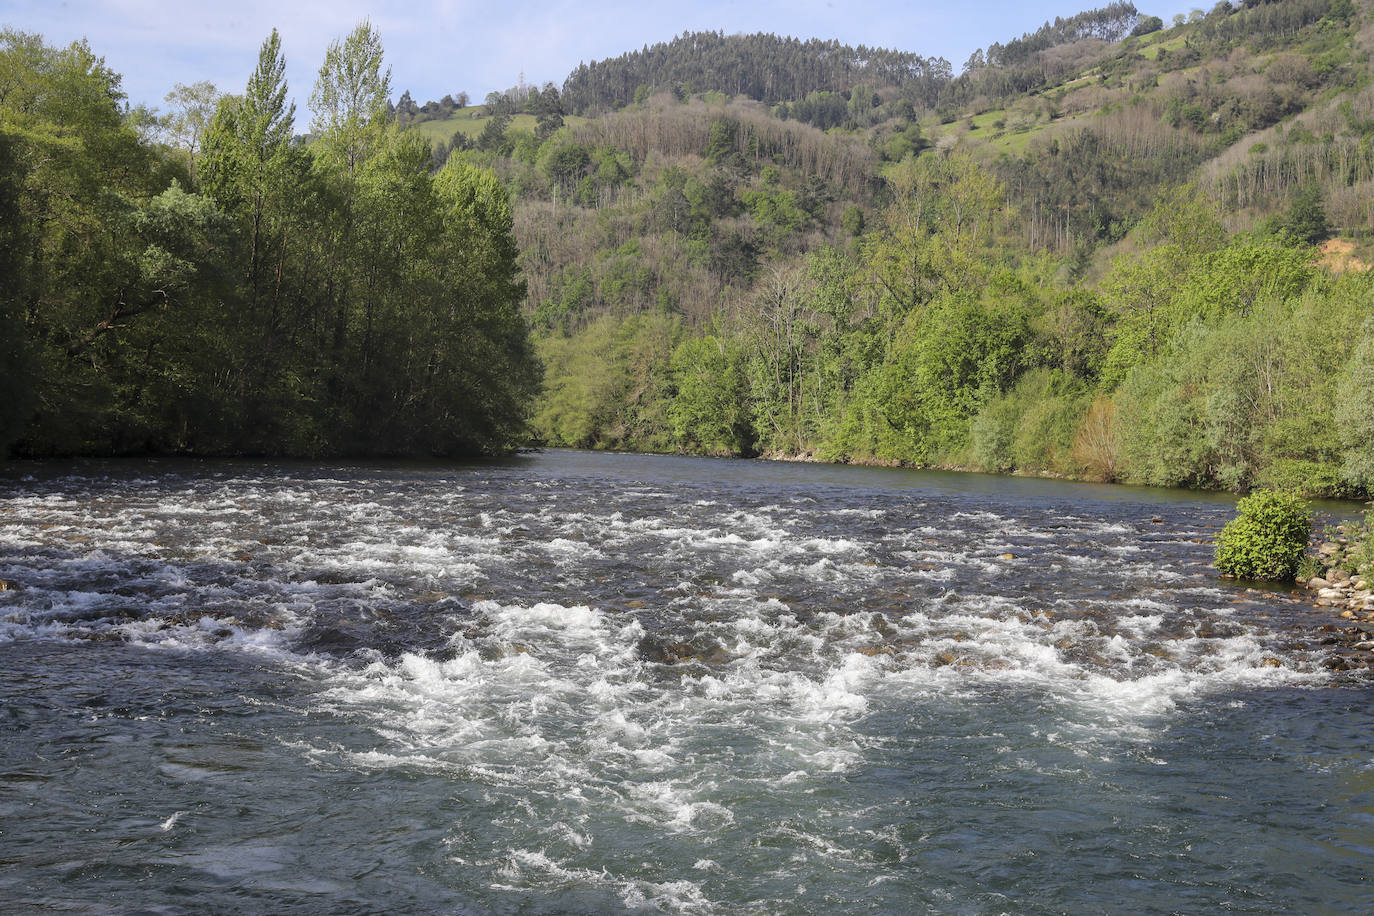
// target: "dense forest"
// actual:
[[206, 283], [1115, 248]]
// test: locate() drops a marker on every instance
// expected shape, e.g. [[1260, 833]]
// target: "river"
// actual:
[[582, 683]]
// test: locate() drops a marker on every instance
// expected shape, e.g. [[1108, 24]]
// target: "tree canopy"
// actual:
[[234, 291]]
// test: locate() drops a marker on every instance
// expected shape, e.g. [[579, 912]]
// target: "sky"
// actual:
[[438, 47]]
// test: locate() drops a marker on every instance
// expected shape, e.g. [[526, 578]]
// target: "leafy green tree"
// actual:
[[548, 112], [16, 385], [1229, 401], [1033, 426], [1355, 411], [946, 367], [193, 108], [936, 232], [248, 166], [853, 221], [324, 299], [1147, 25], [350, 96], [488, 373], [711, 411], [583, 388], [1237, 278], [75, 176], [493, 135], [564, 162], [1144, 291], [1305, 220], [781, 331]]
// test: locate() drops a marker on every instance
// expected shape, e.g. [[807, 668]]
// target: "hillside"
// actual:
[[1113, 248], [1066, 259]]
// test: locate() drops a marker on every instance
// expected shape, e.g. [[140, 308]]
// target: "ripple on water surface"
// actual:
[[654, 685]]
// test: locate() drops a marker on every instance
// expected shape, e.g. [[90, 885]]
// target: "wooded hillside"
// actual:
[[1090, 253], [1114, 248]]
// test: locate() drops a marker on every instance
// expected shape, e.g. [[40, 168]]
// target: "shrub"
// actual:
[[1095, 448], [1267, 539], [1361, 559]]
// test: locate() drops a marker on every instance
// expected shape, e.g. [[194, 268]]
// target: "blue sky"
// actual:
[[436, 47]]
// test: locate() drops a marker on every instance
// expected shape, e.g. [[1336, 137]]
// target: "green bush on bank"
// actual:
[[1267, 539]]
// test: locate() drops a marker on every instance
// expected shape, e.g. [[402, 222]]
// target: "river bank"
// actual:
[[1341, 586]]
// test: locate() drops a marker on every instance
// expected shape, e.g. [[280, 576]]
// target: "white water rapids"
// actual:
[[615, 683]]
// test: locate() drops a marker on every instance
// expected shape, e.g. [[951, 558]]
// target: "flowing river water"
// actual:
[[578, 683]]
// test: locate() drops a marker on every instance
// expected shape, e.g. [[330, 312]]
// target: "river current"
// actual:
[[578, 683]]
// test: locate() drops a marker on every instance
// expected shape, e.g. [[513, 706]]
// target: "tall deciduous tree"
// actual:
[[246, 154], [193, 108], [350, 96]]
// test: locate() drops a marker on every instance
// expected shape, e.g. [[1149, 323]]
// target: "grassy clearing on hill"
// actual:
[[471, 121]]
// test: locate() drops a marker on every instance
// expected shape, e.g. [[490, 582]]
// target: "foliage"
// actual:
[[758, 245], [609, 384], [1361, 557], [710, 412], [242, 293], [1033, 426], [1267, 538], [1305, 219], [1355, 411], [1228, 399], [1147, 25], [764, 67]]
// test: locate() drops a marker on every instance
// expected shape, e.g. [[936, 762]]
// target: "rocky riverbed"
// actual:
[[1348, 594]]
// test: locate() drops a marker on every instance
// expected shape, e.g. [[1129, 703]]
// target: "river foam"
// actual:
[[592, 666]]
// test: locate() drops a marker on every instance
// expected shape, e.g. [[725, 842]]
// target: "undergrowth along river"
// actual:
[[615, 683]]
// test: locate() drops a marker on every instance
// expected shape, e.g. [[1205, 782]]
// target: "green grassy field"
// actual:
[[470, 121], [1167, 44]]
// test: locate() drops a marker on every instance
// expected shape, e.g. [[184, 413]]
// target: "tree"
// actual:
[[1305, 219], [16, 383], [711, 410], [485, 371], [563, 163], [1147, 25], [247, 154], [548, 112], [193, 108], [935, 232], [103, 261], [1355, 411], [493, 134], [350, 96]]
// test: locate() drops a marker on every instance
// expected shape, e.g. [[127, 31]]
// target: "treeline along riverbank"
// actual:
[[241, 291], [1092, 254], [1097, 257]]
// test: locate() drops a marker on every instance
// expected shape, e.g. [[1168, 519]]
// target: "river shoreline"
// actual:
[[1340, 589]]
